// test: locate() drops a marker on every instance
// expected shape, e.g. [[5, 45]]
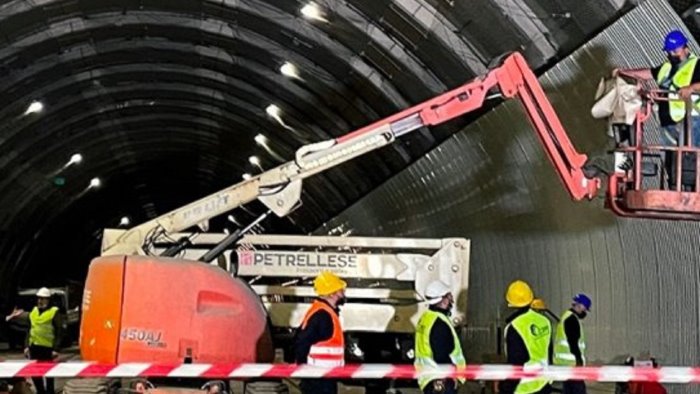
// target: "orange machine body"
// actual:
[[153, 309]]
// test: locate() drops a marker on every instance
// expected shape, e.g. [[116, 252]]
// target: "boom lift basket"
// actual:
[[639, 193]]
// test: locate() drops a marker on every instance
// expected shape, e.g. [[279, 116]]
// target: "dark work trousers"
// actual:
[[545, 390], [318, 386], [574, 387], [42, 353], [448, 387]]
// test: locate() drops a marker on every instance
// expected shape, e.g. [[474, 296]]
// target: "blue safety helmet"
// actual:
[[674, 40], [584, 300]]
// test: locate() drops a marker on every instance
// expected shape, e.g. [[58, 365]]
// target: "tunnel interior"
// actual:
[[168, 100], [164, 100], [493, 183]]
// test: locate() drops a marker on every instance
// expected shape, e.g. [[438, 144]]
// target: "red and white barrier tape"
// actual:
[[366, 371]]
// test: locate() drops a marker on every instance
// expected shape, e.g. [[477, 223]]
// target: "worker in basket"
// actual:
[[436, 341], [678, 74], [320, 340]]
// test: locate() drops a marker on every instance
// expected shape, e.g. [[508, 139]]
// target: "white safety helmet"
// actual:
[[44, 293], [435, 291]]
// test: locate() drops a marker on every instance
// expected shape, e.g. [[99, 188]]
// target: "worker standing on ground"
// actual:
[[538, 305], [678, 74], [528, 337], [44, 336], [570, 341], [437, 341], [320, 338]]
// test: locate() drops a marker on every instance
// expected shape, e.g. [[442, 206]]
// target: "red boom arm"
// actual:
[[513, 78]]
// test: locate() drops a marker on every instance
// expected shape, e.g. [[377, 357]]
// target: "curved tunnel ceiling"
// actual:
[[493, 183], [164, 98]]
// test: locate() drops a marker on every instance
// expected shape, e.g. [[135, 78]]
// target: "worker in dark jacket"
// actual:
[[528, 336], [320, 339], [437, 341], [44, 336], [570, 341]]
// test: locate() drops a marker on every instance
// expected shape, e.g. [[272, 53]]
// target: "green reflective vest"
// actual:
[[682, 78], [41, 332], [424, 353], [562, 352], [536, 332]]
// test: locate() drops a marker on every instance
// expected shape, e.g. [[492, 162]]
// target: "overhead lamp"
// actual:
[[289, 70], [95, 183], [124, 221], [264, 143], [76, 158], [247, 176], [233, 220], [254, 160], [260, 139], [275, 113], [227, 231], [34, 108], [273, 110], [312, 11]]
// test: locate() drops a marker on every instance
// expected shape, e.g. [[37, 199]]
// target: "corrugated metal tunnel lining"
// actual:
[[493, 184], [113, 75]]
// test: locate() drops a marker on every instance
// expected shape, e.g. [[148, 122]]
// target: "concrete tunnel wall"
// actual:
[[493, 184]]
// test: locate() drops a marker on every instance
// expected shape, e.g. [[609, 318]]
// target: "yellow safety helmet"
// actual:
[[519, 294], [327, 283], [538, 304]]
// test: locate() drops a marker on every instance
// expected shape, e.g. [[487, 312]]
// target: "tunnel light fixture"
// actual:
[[312, 11], [76, 158], [289, 70], [264, 142], [254, 160], [273, 110], [233, 220], [260, 139], [247, 176], [34, 107], [95, 183], [124, 221], [275, 113]]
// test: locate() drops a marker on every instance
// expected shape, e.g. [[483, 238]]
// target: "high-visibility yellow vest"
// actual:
[[424, 353], [536, 332], [682, 78], [41, 332], [562, 351]]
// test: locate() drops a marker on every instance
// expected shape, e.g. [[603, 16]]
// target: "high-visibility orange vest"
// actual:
[[328, 353]]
